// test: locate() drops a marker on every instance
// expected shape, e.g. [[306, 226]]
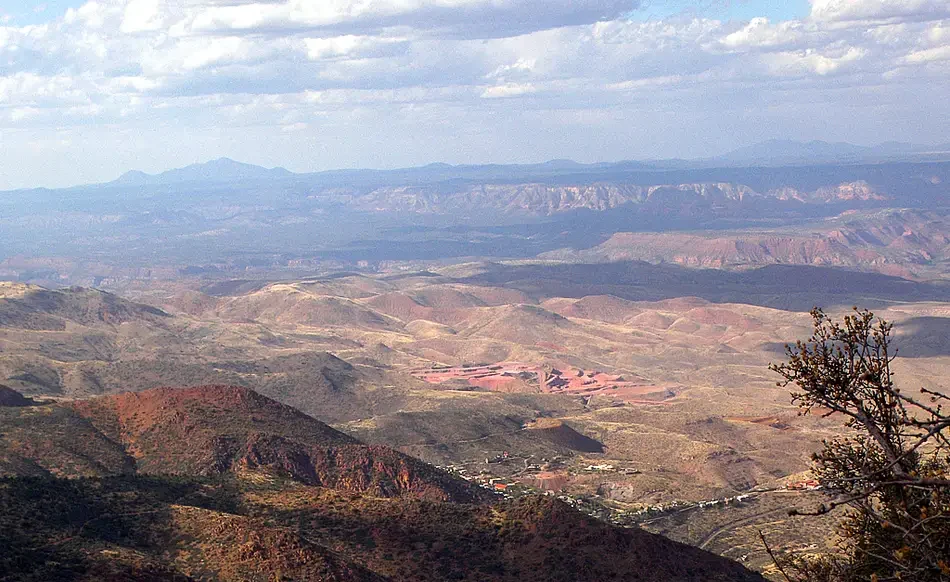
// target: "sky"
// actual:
[[89, 90]]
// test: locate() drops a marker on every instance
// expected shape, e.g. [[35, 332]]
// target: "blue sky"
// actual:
[[33, 12], [90, 89], [725, 9], [38, 11]]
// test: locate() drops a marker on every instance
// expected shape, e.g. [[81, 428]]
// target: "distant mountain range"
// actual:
[[228, 171], [233, 211], [771, 153], [781, 151], [768, 153]]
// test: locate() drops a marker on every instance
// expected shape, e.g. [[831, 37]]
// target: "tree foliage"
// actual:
[[890, 469]]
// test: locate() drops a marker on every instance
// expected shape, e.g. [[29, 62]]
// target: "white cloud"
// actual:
[[91, 15], [216, 50], [647, 84], [22, 113], [890, 10], [142, 16], [939, 33], [760, 33], [519, 68], [508, 90], [396, 71], [811, 61], [941, 53], [351, 45], [890, 35]]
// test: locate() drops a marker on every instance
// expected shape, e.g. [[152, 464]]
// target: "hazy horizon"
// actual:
[[302, 171]]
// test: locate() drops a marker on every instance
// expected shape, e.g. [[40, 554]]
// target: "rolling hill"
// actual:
[[661, 374], [77, 342]]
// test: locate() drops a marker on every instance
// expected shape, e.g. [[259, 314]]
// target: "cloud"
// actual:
[[508, 90], [354, 46], [515, 72], [461, 18], [809, 61], [760, 33], [141, 16], [880, 10], [941, 53]]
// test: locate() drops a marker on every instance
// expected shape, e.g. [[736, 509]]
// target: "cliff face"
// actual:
[[547, 199], [893, 242]]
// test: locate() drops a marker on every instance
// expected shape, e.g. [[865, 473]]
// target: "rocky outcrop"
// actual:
[[547, 199]]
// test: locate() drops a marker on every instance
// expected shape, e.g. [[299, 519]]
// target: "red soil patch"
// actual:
[[505, 376], [547, 481], [497, 383]]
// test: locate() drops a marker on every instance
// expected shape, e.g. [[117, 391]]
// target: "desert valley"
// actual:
[[626, 377]]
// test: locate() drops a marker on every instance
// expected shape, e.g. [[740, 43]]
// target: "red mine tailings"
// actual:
[[547, 481], [506, 384], [211, 430], [561, 434]]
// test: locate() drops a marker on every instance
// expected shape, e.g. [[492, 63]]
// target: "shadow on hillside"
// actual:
[[919, 337], [923, 337], [790, 287]]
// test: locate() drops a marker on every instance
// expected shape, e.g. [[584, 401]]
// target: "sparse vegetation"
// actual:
[[257, 520], [721, 428], [890, 471]]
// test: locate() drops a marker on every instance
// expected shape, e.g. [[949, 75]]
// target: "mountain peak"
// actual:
[[132, 176], [225, 162], [219, 170]]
